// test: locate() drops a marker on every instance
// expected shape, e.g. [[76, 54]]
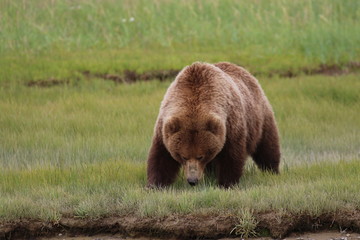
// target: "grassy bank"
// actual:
[[79, 149], [116, 188]]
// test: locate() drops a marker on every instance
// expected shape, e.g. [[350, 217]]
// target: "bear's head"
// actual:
[[194, 142]]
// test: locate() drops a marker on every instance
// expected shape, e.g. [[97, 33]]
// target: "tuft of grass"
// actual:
[[245, 228]]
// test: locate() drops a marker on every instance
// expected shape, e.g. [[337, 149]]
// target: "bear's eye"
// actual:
[[199, 157], [210, 151], [184, 158]]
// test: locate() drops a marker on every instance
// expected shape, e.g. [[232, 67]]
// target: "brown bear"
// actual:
[[212, 113]]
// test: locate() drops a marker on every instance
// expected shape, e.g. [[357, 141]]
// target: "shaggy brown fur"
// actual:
[[214, 113]]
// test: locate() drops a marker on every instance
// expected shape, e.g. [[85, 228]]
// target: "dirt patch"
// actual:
[[128, 76], [171, 226], [275, 224], [328, 235], [329, 70], [131, 76], [332, 235], [50, 82]]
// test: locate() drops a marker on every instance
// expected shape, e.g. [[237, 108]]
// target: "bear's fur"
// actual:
[[214, 113]]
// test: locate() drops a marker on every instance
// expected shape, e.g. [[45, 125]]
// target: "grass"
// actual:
[[98, 121], [76, 125], [103, 190], [81, 150], [42, 39], [246, 225]]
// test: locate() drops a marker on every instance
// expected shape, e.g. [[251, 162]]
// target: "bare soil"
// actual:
[[50, 82], [131, 76], [333, 235], [271, 224], [323, 69]]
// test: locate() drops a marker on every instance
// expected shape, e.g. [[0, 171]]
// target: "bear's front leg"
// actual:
[[162, 169], [230, 164]]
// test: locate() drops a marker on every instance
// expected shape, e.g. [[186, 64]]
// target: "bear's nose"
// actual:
[[192, 181]]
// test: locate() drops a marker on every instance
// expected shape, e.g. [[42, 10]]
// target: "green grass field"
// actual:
[[41, 39], [80, 149]]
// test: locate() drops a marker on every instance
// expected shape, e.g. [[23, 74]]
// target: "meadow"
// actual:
[[59, 39], [78, 150]]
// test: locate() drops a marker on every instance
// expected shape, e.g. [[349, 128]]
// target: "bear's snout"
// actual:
[[193, 171], [193, 181]]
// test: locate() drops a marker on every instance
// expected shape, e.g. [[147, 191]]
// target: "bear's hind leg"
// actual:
[[267, 153], [162, 169]]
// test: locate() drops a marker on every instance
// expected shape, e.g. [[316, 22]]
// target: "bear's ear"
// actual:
[[172, 126], [214, 126]]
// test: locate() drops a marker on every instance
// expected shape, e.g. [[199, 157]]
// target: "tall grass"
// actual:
[[318, 30], [114, 35]]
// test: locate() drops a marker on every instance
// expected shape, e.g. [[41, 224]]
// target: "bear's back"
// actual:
[[242, 78], [257, 106], [200, 87]]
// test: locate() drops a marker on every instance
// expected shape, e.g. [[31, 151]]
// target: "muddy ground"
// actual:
[[131, 76], [271, 224], [333, 235]]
